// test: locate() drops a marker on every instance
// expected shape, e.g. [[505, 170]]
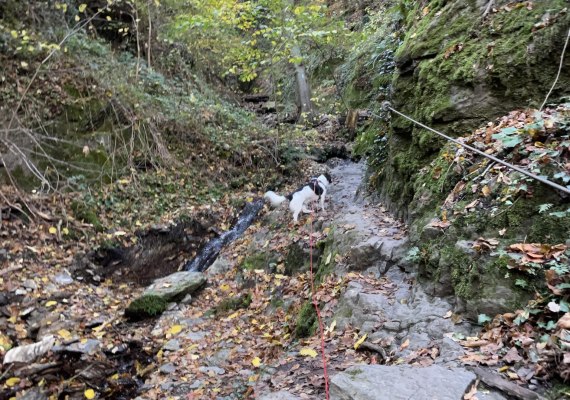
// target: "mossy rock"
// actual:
[[147, 306], [306, 320]]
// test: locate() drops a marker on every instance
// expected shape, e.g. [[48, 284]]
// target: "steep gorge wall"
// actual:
[[455, 66], [458, 68]]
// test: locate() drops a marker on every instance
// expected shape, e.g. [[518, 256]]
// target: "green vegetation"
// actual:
[[306, 320], [145, 307]]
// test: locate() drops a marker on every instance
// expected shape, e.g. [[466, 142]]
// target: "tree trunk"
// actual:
[[304, 106]]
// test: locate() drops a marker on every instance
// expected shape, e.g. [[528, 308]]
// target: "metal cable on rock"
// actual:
[[387, 107]]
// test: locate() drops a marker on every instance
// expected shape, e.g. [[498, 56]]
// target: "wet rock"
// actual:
[[30, 352], [279, 396], [172, 345], [403, 382], [167, 369], [63, 279]]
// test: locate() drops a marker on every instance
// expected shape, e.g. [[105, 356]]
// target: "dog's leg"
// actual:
[[323, 201]]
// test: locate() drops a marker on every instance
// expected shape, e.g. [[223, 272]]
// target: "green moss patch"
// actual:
[[146, 307]]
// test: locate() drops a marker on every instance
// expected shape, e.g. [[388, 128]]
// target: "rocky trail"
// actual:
[[245, 327], [407, 340]]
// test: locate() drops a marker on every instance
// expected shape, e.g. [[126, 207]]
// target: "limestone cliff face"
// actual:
[[460, 64]]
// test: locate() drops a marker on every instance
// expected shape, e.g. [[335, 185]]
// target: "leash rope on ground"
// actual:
[[386, 106], [316, 304]]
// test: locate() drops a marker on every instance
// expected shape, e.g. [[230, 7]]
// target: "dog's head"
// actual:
[[326, 178]]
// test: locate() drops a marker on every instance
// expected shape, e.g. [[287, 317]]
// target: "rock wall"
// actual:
[[458, 65], [457, 68]]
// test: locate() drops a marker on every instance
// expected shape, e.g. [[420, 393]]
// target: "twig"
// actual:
[[559, 70], [374, 347], [11, 269], [512, 389], [482, 175], [6, 372]]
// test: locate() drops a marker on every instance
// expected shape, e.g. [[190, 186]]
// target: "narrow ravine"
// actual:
[[405, 328]]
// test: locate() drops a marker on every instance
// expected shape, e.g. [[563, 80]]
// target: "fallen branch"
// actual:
[[510, 388], [374, 347]]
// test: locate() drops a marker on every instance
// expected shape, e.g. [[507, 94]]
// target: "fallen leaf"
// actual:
[[308, 352], [256, 362], [405, 344], [51, 303], [175, 329], [89, 394], [11, 382]]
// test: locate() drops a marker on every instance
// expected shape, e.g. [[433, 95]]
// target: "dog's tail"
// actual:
[[274, 198]]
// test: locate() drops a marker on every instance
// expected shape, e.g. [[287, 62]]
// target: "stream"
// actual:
[[210, 251]]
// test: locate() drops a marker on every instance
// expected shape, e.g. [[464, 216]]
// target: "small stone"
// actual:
[[187, 299], [172, 345], [196, 384], [212, 370], [30, 284], [20, 292], [196, 336], [167, 369], [63, 279]]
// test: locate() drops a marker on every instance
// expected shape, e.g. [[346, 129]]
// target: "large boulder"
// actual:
[[155, 298], [402, 382]]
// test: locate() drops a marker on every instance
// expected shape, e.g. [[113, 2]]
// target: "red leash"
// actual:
[[316, 304]]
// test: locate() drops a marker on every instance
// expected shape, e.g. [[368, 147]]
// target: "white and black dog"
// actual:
[[312, 191]]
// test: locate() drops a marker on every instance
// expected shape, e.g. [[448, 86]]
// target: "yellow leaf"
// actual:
[[308, 352], [225, 287], [256, 362], [11, 382], [175, 329], [52, 230], [89, 394], [114, 377], [82, 7], [14, 34], [65, 231], [64, 333], [486, 191], [77, 18], [360, 341], [51, 303], [328, 260], [232, 316], [108, 18]]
